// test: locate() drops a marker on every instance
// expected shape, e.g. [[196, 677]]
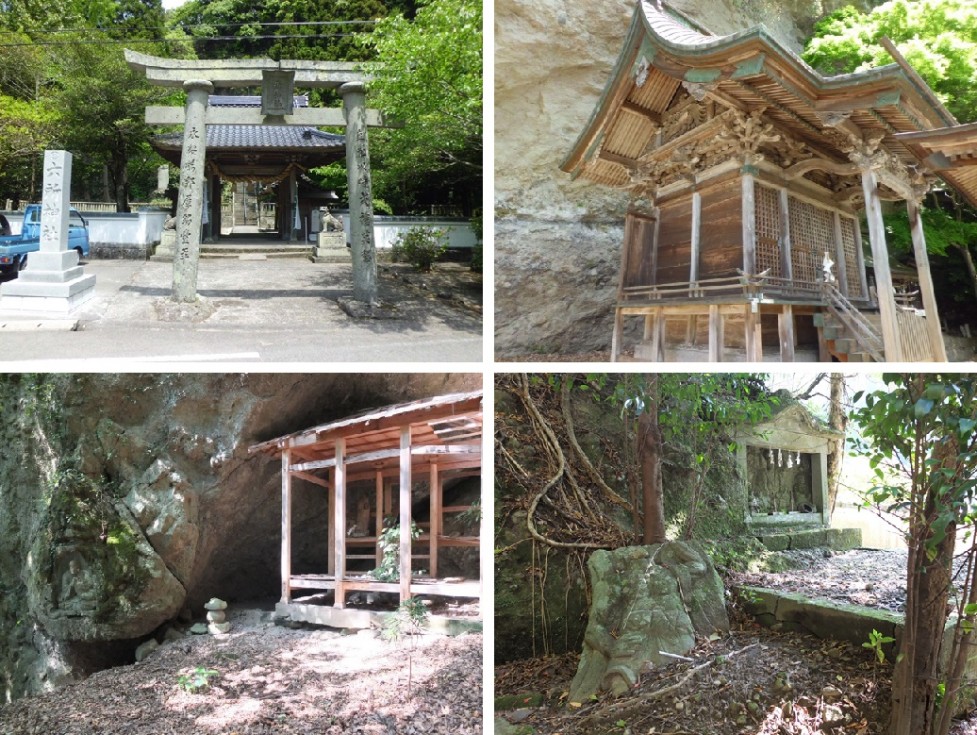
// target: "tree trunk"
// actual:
[[650, 459], [120, 178], [916, 676], [837, 419], [968, 259]]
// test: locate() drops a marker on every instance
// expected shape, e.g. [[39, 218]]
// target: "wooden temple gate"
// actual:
[[749, 174], [385, 457]]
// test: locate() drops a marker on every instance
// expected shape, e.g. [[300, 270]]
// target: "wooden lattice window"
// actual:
[[811, 236], [849, 243], [768, 234]]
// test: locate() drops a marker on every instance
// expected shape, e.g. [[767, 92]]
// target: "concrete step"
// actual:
[[269, 250]]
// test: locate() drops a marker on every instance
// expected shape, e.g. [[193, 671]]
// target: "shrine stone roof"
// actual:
[[664, 61]]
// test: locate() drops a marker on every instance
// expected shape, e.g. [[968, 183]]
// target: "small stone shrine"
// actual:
[[784, 462], [54, 283]]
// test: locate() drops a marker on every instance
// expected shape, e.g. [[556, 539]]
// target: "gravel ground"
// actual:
[[872, 577], [271, 679]]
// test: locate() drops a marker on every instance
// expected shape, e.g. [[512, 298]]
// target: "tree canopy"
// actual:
[[64, 84], [938, 37], [428, 76]]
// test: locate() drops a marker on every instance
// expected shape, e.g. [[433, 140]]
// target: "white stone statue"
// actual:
[[826, 265]]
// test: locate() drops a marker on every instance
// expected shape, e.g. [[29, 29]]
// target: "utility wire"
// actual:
[[188, 39], [186, 26]]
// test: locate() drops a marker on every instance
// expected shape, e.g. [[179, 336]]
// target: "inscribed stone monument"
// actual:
[[53, 283]]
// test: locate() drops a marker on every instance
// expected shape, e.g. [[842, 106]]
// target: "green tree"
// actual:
[[102, 103], [922, 443], [428, 77], [938, 37]]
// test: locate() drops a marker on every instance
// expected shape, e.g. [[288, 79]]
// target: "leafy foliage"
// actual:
[[921, 439], [938, 37], [389, 543], [196, 681], [428, 77], [420, 246], [875, 642]]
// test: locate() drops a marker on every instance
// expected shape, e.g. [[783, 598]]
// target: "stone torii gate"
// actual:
[[277, 80]]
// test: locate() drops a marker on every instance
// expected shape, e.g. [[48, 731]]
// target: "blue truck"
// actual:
[[15, 248]]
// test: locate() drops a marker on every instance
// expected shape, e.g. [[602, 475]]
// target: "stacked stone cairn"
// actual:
[[216, 618]]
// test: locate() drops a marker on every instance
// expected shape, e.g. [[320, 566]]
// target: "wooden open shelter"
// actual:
[[750, 175], [387, 457]]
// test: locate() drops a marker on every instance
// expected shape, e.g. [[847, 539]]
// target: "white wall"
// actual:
[[387, 229], [115, 228]]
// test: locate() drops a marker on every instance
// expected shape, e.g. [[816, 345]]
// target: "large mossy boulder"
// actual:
[[647, 600]]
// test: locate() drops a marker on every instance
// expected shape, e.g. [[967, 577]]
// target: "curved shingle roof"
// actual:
[[279, 137]]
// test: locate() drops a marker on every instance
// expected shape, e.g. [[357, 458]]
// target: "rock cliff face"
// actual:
[[127, 499], [558, 241]]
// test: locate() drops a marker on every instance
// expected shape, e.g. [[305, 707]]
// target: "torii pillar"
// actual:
[[360, 193]]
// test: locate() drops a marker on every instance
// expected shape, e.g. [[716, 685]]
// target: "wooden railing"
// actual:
[[914, 338], [756, 286], [858, 326]]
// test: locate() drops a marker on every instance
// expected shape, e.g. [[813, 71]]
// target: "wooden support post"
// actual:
[[880, 260], [658, 335], [378, 524], [437, 519], [937, 348], [286, 527], [649, 327], [842, 272], [696, 237], [754, 342], [785, 330], [860, 256], [405, 513], [786, 258], [339, 519], [716, 335], [749, 218], [331, 525], [617, 334]]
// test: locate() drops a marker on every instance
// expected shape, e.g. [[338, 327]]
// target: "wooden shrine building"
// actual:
[[750, 175], [384, 463]]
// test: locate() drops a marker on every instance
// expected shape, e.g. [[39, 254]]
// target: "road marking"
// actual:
[[193, 358]]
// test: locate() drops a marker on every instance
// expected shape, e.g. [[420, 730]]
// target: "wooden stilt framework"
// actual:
[[385, 457], [750, 175]]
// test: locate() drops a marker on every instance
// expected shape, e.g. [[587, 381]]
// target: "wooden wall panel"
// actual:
[[675, 241], [721, 246], [639, 243]]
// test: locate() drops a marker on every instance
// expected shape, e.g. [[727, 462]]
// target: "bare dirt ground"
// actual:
[[453, 283], [753, 682], [272, 679]]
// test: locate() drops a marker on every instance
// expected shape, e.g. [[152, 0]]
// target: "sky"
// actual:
[[170, 4]]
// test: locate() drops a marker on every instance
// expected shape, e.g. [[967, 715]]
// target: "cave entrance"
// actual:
[[380, 470]]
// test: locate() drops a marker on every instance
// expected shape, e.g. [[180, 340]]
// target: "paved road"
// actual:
[[282, 311]]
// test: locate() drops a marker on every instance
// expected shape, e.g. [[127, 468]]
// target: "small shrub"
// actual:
[[196, 681], [389, 543], [420, 246]]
